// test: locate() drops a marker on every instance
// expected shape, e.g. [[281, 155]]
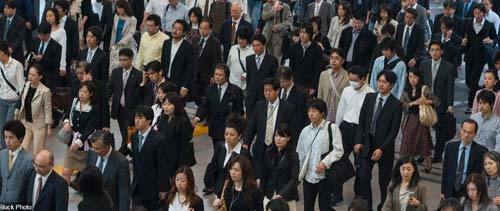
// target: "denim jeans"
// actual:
[[254, 11], [7, 109]]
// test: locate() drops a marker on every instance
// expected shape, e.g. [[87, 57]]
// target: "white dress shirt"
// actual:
[[96, 8], [236, 149], [233, 62], [223, 90], [104, 159], [493, 18], [478, 26], [156, 7], [178, 205], [287, 91], [59, 36], [350, 104], [15, 153], [410, 28], [317, 7], [173, 51], [14, 73], [35, 185], [91, 52]]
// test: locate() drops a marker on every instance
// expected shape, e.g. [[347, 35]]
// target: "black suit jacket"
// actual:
[[363, 47], [216, 111], [458, 24], [387, 125], [474, 50], [101, 101], [225, 34], [444, 83], [306, 69], [281, 174], [116, 178], [255, 76], [105, 22], [299, 100], [54, 195], [182, 64], [99, 64], [450, 164], [50, 62], [257, 126], [207, 59], [150, 175], [72, 43], [415, 44], [96, 202], [15, 36], [460, 10], [452, 49], [115, 88]]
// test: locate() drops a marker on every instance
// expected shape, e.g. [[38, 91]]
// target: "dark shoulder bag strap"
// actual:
[[8, 83], [241, 63]]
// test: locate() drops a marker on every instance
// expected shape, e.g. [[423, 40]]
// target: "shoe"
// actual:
[[428, 164], [335, 200], [468, 111]]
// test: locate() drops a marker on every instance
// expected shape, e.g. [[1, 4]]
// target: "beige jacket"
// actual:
[[41, 106], [325, 86], [392, 200]]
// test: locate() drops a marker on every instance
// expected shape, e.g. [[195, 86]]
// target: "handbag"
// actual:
[[223, 206], [341, 170], [427, 114], [65, 136], [61, 97]]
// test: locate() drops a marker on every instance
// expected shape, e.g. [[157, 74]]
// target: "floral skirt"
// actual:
[[416, 138]]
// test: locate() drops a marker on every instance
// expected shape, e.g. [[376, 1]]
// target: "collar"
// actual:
[[414, 6], [365, 85], [107, 154], [289, 88], [237, 20], [275, 104], [320, 126], [318, 3], [383, 97], [205, 38], [128, 70], [11, 17], [44, 178], [438, 61], [306, 45], [145, 134], [92, 50], [178, 42], [410, 27], [482, 22], [244, 48], [468, 146], [16, 152], [9, 62], [224, 85], [261, 55], [236, 149], [63, 19]]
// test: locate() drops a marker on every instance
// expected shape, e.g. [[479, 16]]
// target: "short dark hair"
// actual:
[[237, 122], [244, 33], [319, 105], [11, 4], [273, 82], [447, 22], [183, 23], [284, 72], [63, 4], [154, 66], [412, 11], [449, 4], [155, 18], [4, 47], [470, 121], [210, 24], [90, 181], [16, 127], [358, 70], [436, 42], [450, 203], [358, 204], [487, 97], [44, 28], [105, 137], [479, 7], [260, 38], [388, 28], [390, 76], [338, 51], [388, 44], [308, 29], [85, 66], [277, 204], [359, 15], [55, 12], [225, 68], [145, 111], [126, 52], [97, 32]]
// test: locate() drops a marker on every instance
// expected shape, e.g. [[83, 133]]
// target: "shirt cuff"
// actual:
[[79, 142]]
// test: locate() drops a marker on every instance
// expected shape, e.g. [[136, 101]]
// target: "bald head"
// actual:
[[44, 161], [236, 10]]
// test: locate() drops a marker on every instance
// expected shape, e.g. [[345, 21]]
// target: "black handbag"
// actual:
[[340, 171]]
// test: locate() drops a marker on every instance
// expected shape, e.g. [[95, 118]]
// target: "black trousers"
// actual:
[[150, 205], [441, 139], [124, 120], [473, 70], [384, 176], [319, 189], [348, 131]]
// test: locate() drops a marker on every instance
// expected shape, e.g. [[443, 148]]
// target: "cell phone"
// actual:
[[411, 194]]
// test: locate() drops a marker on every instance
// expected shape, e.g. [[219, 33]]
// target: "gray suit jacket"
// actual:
[[12, 182], [444, 83], [326, 12], [116, 178], [283, 19]]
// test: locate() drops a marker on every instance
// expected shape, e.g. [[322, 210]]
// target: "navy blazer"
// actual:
[[415, 44], [182, 65], [99, 64], [15, 36], [51, 61], [299, 99], [115, 88], [255, 76]]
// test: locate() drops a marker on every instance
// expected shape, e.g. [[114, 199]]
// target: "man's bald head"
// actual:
[[236, 10], [44, 161]]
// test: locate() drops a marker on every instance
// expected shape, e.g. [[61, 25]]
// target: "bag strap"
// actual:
[[422, 92], [223, 190], [9, 84], [241, 63], [337, 94], [330, 139], [391, 65]]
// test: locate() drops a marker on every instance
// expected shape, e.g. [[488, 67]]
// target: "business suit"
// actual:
[[457, 24], [206, 58], [468, 13], [150, 175], [105, 21], [282, 20], [299, 99], [73, 45], [281, 172], [11, 181], [37, 17], [255, 76], [257, 127], [181, 73], [51, 58], [225, 34], [217, 110], [54, 194], [325, 14], [99, 63], [116, 178], [96, 202], [443, 87], [363, 46], [475, 54], [306, 66], [124, 113], [450, 166], [421, 21], [452, 49], [415, 42], [15, 36], [101, 97], [137, 9], [385, 132]]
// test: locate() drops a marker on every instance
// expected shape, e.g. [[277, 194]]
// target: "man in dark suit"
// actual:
[[451, 43], [305, 61], [449, 11], [268, 114], [152, 78], [289, 92], [44, 188], [221, 100], [379, 123], [227, 34], [124, 86], [358, 42], [208, 53], [177, 58], [259, 67], [47, 53], [455, 166], [93, 54], [465, 9], [150, 182], [71, 28], [411, 38], [114, 168], [475, 42], [437, 73], [13, 31], [104, 21]]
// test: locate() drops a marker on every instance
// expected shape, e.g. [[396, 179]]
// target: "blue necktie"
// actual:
[[141, 142]]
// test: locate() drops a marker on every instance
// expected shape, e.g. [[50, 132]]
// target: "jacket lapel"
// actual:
[[18, 161], [5, 162], [46, 187], [96, 55], [109, 167]]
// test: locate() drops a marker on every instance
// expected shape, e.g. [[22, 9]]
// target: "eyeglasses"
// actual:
[[39, 166]]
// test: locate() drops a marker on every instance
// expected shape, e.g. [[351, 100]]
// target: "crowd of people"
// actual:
[[288, 90]]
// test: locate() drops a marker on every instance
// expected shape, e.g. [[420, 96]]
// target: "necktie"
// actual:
[[200, 46], [125, 78], [141, 142], [89, 56], [6, 30], [257, 61], [219, 93], [386, 61], [376, 115], [38, 189], [233, 32], [11, 160], [101, 164], [283, 97], [316, 10], [407, 39], [270, 125], [42, 48], [460, 169]]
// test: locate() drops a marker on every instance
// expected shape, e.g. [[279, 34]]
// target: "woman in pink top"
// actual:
[[490, 83]]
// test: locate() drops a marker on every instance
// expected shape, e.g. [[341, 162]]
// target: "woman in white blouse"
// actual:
[[182, 195], [339, 23], [122, 34], [317, 153], [58, 34], [236, 59], [384, 17]]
